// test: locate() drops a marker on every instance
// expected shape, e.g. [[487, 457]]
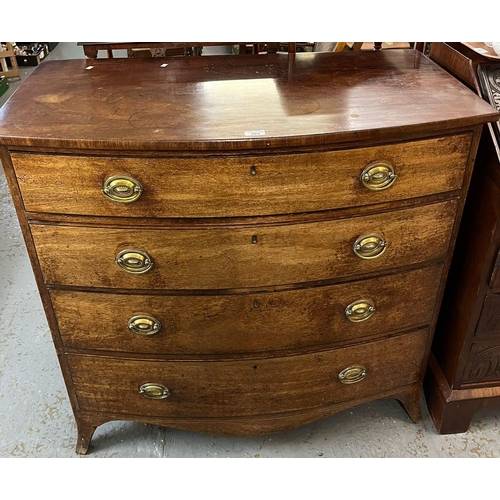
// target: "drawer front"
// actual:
[[240, 186], [250, 387], [246, 323], [248, 257]]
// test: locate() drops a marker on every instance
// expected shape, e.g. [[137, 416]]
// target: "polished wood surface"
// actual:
[[206, 103], [227, 258], [243, 388], [464, 374], [246, 323], [240, 186], [251, 273]]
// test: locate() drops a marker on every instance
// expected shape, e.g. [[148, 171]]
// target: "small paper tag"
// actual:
[[253, 133], [481, 51], [89, 67]]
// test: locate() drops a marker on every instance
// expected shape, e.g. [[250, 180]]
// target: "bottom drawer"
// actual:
[[247, 387]]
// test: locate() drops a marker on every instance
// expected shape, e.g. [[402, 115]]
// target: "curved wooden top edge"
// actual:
[[240, 145], [209, 103]]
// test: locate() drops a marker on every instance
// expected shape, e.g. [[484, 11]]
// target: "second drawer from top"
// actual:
[[258, 256]]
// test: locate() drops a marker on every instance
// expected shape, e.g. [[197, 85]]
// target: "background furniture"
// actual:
[[464, 369], [8, 62], [341, 46], [91, 49], [232, 258]]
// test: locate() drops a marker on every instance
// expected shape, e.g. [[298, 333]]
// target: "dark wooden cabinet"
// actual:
[[464, 366], [240, 245]]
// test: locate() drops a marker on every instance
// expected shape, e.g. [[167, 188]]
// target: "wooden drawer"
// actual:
[[249, 387], [220, 187], [245, 257], [197, 324]]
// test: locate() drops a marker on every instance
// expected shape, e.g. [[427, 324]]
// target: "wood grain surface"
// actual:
[[249, 387], [249, 323], [228, 258], [225, 186], [208, 103]]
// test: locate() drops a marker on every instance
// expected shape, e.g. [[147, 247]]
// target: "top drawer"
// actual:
[[240, 186]]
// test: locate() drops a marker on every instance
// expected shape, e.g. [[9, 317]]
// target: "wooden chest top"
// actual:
[[232, 103]]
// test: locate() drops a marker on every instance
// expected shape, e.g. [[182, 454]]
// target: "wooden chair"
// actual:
[[8, 62]]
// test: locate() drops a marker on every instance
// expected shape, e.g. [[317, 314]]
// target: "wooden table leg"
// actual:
[[90, 52]]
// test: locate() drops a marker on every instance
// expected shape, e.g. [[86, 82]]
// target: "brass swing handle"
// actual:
[[378, 176], [134, 261], [352, 374], [360, 310], [369, 246], [154, 391], [122, 189], [144, 325]]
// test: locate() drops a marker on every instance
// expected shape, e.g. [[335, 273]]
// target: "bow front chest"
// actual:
[[240, 245]]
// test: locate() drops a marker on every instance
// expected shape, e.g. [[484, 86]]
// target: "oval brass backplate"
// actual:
[[122, 189], [154, 391], [352, 374], [360, 310], [134, 261], [369, 246], [144, 325], [378, 176]]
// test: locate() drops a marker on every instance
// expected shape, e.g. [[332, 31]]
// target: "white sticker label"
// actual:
[[89, 67], [253, 133], [481, 51], [164, 65]]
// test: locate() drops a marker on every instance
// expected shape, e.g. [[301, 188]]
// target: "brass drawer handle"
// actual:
[[144, 325], [122, 189], [352, 374], [134, 261], [369, 246], [378, 176], [154, 391], [360, 310]]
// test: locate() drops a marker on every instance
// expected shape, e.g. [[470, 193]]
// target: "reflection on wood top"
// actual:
[[225, 102]]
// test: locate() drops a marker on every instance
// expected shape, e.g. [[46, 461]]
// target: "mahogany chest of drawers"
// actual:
[[240, 245]]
